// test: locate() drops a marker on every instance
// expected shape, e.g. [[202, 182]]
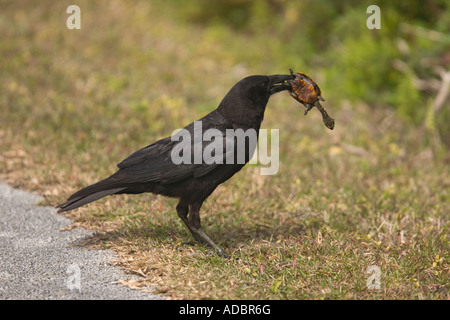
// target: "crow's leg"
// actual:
[[182, 211], [196, 229], [194, 226]]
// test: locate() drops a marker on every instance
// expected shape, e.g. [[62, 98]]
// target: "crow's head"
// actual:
[[259, 88], [251, 94], [265, 86]]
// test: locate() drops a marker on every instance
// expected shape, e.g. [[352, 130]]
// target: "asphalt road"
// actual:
[[38, 261]]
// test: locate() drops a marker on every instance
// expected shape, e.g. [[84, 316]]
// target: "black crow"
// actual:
[[155, 169]]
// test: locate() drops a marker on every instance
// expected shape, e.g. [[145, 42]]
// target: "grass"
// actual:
[[375, 191]]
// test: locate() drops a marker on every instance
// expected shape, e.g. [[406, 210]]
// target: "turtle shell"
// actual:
[[304, 89]]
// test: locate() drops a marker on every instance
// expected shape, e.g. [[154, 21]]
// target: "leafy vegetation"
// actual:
[[375, 191]]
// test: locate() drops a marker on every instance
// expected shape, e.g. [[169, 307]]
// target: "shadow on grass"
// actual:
[[230, 236]]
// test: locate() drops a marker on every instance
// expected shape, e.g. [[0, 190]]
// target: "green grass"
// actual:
[[374, 191]]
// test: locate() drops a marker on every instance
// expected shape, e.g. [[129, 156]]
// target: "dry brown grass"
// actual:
[[372, 192]]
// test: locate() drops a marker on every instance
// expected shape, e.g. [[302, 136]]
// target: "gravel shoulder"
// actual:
[[38, 261]]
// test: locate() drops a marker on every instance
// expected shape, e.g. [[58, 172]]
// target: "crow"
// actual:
[[153, 169]]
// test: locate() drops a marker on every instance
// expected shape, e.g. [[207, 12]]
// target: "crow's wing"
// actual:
[[157, 149], [155, 163]]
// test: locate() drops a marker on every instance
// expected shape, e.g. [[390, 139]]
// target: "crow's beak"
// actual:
[[279, 82]]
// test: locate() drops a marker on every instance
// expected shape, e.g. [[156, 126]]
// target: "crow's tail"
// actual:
[[91, 193]]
